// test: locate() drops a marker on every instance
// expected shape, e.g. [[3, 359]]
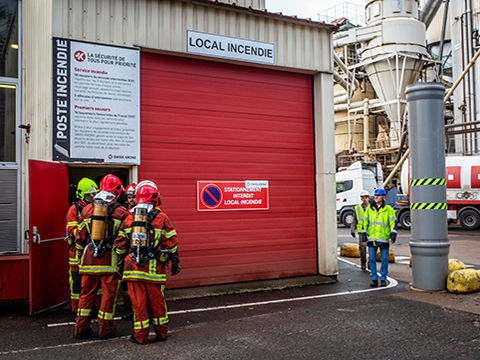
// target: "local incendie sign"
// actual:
[[232, 195]]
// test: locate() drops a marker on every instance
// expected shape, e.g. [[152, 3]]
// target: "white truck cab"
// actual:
[[350, 182]]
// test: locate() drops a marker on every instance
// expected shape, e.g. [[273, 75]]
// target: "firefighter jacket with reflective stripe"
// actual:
[[380, 224], [164, 237], [107, 263], [358, 220], [72, 225]]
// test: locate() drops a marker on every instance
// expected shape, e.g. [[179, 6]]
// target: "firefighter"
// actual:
[[96, 238], [153, 242], [130, 200], [86, 189]]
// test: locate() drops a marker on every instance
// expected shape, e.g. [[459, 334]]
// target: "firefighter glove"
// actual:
[[364, 236], [176, 269], [352, 233], [121, 262], [175, 259]]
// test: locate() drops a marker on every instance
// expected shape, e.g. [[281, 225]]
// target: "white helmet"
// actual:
[[364, 193]]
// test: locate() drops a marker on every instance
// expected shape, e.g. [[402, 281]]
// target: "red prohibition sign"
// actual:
[[211, 196], [79, 56]]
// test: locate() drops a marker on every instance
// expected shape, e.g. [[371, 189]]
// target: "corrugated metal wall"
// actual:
[[163, 25], [207, 121]]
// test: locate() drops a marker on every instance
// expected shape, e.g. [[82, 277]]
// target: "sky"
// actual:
[[311, 8]]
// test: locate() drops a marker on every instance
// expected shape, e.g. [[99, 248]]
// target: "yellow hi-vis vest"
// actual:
[[379, 223], [360, 214]]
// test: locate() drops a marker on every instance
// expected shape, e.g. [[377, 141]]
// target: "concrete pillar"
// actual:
[[325, 174], [429, 242]]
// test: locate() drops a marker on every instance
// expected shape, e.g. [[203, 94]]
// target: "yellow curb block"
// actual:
[[350, 250], [391, 256], [454, 264], [463, 281]]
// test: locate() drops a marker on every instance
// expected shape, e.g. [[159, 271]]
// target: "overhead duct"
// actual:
[[428, 11]]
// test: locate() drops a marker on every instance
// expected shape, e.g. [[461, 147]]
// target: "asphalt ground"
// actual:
[[345, 319]]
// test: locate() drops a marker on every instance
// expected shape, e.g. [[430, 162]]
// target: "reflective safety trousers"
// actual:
[[378, 223], [164, 236]]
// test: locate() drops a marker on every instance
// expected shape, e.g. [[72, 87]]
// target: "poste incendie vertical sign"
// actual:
[[232, 195], [96, 102]]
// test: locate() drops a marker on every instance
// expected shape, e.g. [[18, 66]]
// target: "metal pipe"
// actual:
[[448, 126], [429, 243], [442, 43], [340, 81], [462, 75], [366, 118], [343, 107], [349, 74], [392, 173]]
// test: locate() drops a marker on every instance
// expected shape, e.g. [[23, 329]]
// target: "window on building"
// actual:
[[9, 38], [7, 123], [396, 6], [409, 6]]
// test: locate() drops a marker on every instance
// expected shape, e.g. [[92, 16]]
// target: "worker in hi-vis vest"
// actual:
[[379, 230], [357, 225]]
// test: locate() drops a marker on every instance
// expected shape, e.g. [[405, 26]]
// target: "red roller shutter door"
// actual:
[[204, 120]]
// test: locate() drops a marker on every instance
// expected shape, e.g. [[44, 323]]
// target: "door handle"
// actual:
[[35, 235]]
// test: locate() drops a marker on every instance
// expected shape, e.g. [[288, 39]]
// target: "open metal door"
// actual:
[[48, 204]]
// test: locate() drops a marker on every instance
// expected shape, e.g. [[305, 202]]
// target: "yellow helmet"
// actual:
[[86, 186]]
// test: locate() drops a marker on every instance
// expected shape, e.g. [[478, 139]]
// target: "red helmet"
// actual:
[[130, 190], [111, 184], [147, 194]]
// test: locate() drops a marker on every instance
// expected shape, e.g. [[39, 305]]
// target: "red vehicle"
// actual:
[[463, 192]]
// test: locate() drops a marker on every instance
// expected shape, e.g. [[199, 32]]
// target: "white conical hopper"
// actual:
[[394, 59]]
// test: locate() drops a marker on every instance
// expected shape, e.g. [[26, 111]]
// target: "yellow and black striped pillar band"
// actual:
[[432, 181], [428, 206]]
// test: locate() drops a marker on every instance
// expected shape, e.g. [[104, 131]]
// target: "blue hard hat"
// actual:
[[379, 192]]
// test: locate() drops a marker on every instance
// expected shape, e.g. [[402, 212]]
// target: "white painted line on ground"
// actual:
[[392, 283], [67, 345]]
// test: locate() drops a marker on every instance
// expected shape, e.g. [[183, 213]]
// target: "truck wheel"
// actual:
[[469, 219], [347, 218], [404, 220]]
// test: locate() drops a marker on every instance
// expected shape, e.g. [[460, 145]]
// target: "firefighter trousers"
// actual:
[[141, 294], [90, 285], [75, 287]]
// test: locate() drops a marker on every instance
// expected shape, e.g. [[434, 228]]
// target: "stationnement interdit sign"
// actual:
[[232, 195]]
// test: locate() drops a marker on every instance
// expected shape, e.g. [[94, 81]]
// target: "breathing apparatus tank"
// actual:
[[140, 234], [98, 233]]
